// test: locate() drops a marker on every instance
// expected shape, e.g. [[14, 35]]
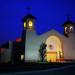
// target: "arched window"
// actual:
[[65, 29], [24, 24], [71, 28], [30, 23]]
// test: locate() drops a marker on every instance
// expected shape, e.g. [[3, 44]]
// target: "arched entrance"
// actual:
[[54, 50]]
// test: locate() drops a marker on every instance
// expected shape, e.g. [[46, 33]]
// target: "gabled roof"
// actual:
[[53, 32]]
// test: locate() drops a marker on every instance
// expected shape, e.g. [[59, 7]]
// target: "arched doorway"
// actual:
[[54, 50]]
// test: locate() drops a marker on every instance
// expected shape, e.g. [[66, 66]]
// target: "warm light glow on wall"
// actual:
[[55, 41], [55, 52], [51, 56], [24, 24]]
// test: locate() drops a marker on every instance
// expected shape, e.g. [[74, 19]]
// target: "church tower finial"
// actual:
[[28, 8], [29, 20]]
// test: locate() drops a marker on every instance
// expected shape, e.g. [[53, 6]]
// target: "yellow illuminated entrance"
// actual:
[[51, 56], [54, 50]]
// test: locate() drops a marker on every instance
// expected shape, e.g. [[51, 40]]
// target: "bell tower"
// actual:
[[68, 27], [29, 21], [28, 30]]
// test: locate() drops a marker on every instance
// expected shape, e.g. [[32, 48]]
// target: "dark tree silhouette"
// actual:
[[42, 51]]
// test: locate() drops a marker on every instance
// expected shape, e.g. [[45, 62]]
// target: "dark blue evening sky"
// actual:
[[49, 13]]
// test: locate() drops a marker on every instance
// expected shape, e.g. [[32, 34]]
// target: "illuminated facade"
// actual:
[[58, 47], [54, 51], [57, 44]]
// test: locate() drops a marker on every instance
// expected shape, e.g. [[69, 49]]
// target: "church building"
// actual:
[[59, 48]]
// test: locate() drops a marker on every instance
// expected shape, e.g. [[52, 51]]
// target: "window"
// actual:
[[24, 24], [30, 23], [71, 28], [22, 57], [67, 30]]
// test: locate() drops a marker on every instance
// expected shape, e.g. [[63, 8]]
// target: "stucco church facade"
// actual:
[[61, 46], [58, 47]]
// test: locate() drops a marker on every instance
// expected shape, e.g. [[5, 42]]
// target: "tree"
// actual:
[[42, 51]]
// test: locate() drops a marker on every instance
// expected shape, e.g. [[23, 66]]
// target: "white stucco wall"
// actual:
[[33, 42], [32, 46], [69, 47]]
